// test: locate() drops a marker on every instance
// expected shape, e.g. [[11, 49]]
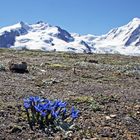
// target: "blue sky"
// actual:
[[80, 16]]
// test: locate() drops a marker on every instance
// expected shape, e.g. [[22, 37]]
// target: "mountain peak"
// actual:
[[136, 19], [24, 25], [42, 23], [21, 23], [39, 22]]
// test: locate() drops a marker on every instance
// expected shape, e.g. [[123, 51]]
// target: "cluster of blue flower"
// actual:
[[47, 112]]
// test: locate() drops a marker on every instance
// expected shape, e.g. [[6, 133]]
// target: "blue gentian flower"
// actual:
[[48, 106], [45, 106], [54, 114], [62, 104], [38, 108], [58, 103], [31, 98], [42, 109], [26, 105], [43, 114], [26, 100], [36, 99], [64, 111], [74, 113], [46, 100]]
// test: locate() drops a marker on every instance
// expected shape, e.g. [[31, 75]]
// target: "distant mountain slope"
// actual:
[[42, 36]]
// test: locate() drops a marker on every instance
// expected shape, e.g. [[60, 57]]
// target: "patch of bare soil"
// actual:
[[105, 88]]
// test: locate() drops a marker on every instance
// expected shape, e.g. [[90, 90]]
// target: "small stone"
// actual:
[[137, 107], [57, 137], [93, 139], [108, 117], [93, 61], [42, 70], [138, 112], [129, 120], [76, 138], [31, 132], [113, 116]]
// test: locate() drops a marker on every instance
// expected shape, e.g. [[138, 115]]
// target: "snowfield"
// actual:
[[43, 36]]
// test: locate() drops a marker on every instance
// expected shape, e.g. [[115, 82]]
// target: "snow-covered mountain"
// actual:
[[123, 40], [42, 36]]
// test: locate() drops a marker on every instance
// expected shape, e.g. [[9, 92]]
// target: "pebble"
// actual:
[[137, 107], [93, 139], [57, 137], [108, 117], [113, 116], [76, 138], [138, 112]]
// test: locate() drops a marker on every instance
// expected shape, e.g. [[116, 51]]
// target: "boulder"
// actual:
[[18, 67]]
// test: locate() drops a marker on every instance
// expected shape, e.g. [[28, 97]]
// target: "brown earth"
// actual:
[[105, 88]]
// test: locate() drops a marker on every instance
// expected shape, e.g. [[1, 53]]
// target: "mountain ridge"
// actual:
[[46, 37]]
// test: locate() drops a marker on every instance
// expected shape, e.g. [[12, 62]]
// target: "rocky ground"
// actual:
[[105, 88]]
